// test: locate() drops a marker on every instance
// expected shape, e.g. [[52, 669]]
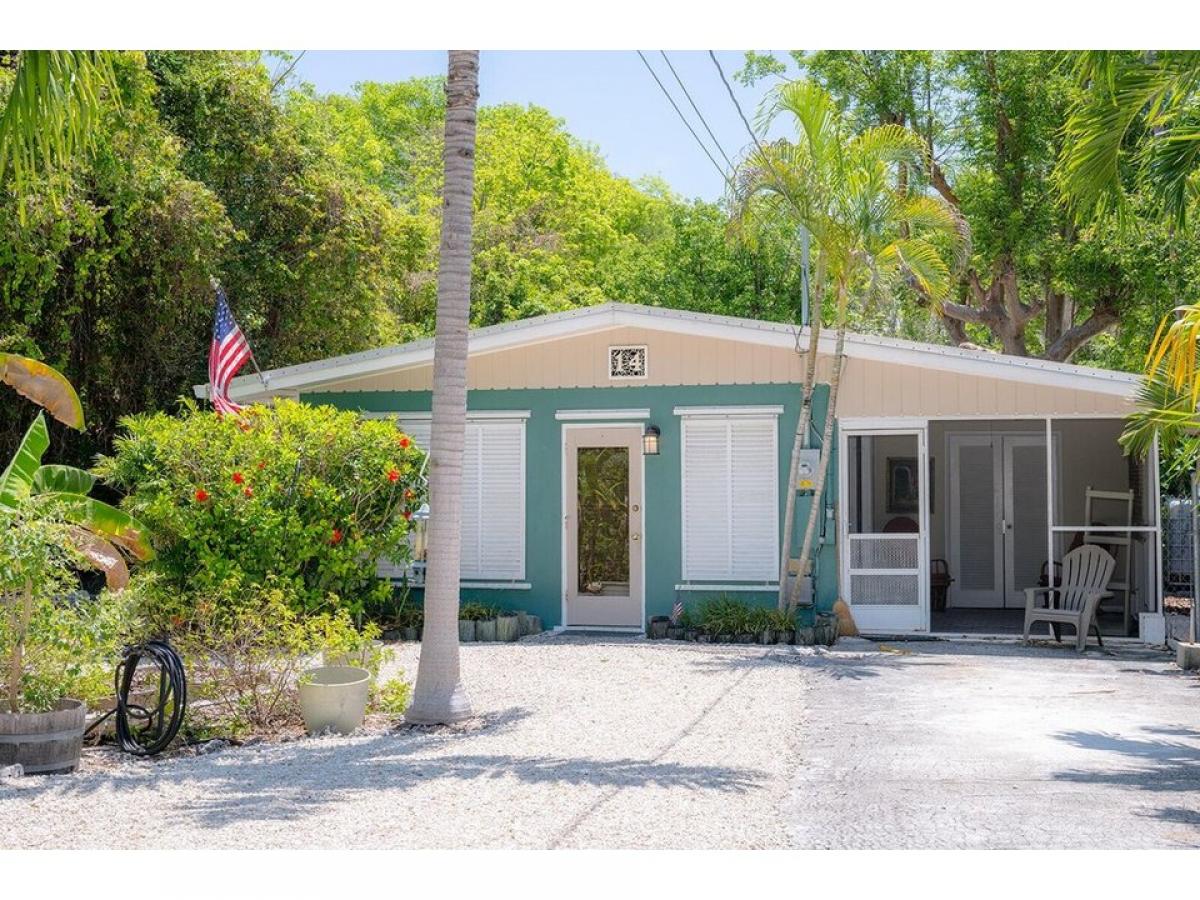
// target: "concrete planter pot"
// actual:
[[369, 657], [691, 634], [785, 637], [658, 627], [767, 636], [411, 633], [745, 638], [334, 698], [675, 632], [485, 630], [43, 743], [466, 631]]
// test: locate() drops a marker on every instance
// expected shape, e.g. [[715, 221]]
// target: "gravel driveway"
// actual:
[[587, 741], [583, 742]]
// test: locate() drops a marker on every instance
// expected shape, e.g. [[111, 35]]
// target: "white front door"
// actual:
[[603, 522], [884, 529], [997, 523]]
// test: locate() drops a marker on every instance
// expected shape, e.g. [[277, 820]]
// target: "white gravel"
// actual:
[[581, 741]]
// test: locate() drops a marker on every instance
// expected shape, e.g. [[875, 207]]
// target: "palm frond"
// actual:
[[1164, 409], [51, 112], [923, 262]]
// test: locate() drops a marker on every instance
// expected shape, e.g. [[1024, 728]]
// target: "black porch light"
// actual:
[[650, 440]]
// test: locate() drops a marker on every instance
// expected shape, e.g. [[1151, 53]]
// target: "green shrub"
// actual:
[[477, 611], [724, 614], [302, 497], [244, 656], [759, 619], [393, 696]]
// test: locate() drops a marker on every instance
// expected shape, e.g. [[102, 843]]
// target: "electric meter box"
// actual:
[[806, 474]]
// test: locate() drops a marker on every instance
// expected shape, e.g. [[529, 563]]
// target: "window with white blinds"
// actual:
[[493, 529], [730, 498]]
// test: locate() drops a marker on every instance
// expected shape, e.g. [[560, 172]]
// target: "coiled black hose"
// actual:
[[162, 721]]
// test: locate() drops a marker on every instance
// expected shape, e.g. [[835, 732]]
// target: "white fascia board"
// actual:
[[607, 316]]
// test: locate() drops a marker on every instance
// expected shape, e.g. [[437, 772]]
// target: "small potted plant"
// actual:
[[658, 627], [784, 626], [361, 650]]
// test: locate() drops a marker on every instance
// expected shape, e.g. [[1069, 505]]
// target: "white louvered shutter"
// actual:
[[501, 522], [706, 507], [755, 499], [493, 498], [730, 499]]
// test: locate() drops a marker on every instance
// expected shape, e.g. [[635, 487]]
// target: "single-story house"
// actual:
[[619, 457]]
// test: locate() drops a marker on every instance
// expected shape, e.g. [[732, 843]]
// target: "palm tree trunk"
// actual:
[[799, 442], [439, 697], [814, 511]]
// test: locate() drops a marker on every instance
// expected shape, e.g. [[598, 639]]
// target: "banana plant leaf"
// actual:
[[43, 385], [18, 476], [105, 521], [104, 556], [64, 479]]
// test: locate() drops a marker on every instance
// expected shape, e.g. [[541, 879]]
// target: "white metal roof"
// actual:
[[312, 375]]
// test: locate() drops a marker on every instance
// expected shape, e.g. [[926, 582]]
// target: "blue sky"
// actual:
[[606, 98]]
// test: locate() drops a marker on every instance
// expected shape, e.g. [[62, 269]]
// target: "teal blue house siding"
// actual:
[[662, 518]]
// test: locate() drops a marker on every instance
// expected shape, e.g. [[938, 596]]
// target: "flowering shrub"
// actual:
[[302, 497]]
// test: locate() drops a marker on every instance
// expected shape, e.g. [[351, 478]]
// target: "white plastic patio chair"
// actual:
[[1073, 601]]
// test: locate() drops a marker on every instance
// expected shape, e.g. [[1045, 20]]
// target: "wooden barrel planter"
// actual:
[[466, 630], [43, 742], [485, 630], [658, 627], [507, 628]]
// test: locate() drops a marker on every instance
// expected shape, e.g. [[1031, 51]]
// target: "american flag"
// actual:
[[228, 353], [677, 611]]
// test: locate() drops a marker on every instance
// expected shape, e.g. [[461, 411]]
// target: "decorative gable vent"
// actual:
[[627, 362]]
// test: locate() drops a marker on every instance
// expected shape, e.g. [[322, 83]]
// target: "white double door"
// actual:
[[996, 535]]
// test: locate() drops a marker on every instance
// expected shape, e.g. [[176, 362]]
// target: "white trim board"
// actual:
[[426, 416], [313, 375], [584, 415]]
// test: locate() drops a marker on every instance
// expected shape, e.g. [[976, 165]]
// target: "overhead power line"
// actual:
[[662, 87], [699, 115]]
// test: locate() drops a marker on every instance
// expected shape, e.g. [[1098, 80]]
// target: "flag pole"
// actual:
[[266, 382]]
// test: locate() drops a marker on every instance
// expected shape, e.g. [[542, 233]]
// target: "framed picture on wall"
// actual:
[[903, 484]]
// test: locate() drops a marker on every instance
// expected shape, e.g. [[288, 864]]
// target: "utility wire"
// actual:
[[683, 118], [699, 114]]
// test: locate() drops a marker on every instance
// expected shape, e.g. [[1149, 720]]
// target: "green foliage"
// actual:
[[303, 497], [393, 696], [725, 614], [58, 641], [477, 612], [245, 646]]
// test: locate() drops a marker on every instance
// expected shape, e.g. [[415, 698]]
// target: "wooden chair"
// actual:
[[1085, 574]]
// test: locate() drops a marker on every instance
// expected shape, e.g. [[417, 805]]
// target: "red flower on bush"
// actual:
[[336, 537], [201, 495], [393, 476], [261, 465], [239, 478], [404, 441], [407, 514], [249, 491], [409, 493]]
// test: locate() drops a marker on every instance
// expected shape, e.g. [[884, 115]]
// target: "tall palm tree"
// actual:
[[439, 697], [51, 111], [867, 232]]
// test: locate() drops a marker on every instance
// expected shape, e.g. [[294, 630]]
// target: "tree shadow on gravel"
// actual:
[[832, 664], [284, 782]]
